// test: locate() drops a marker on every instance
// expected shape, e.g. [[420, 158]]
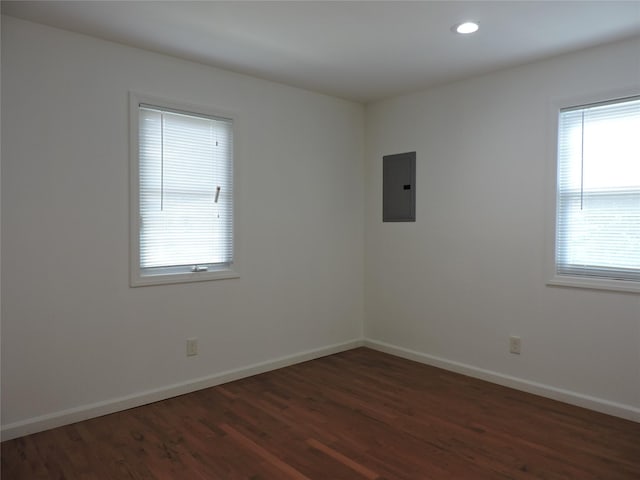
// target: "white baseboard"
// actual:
[[84, 412], [593, 403]]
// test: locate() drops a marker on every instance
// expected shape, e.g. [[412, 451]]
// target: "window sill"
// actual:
[[594, 283], [167, 279]]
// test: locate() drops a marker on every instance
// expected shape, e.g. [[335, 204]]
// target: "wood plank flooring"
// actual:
[[359, 414]]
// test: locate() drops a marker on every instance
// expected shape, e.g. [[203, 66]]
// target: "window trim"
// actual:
[[555, 279], [165, 276]]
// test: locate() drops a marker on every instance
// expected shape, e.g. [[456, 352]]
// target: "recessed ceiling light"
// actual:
[[465, 28]]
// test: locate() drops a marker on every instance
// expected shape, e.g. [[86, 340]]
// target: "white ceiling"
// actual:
[[358, 50]]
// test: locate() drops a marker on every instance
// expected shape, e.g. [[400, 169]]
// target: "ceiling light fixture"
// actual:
[[465, 28]]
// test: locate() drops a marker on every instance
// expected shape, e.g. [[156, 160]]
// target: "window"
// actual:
[[598, 195], [182, 193]]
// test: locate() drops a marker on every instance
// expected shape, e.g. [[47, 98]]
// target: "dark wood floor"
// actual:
[[360, 414]]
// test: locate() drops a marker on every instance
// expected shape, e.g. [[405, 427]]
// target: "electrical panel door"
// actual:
[[399, 187]]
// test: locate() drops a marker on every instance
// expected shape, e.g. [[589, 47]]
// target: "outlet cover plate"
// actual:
[[192, 347], [515, 345]]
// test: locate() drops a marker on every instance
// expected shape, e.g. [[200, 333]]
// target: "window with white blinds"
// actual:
[[598, 191], [184, 195]]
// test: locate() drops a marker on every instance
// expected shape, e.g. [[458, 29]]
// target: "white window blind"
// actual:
[[598, 191], [185, 191]]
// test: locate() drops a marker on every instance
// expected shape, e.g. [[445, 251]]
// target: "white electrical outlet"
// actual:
[[192, 347], [515, 345]]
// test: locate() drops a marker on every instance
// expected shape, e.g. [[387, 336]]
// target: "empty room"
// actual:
[[320, 240]]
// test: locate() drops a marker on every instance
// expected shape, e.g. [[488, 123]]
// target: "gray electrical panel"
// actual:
[[399, 187]]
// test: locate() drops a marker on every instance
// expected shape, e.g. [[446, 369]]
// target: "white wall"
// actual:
[[452, 286], [74, 333], [448, 289]]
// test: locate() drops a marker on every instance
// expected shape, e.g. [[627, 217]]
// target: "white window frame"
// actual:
[[565, 280], [170, 276]]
